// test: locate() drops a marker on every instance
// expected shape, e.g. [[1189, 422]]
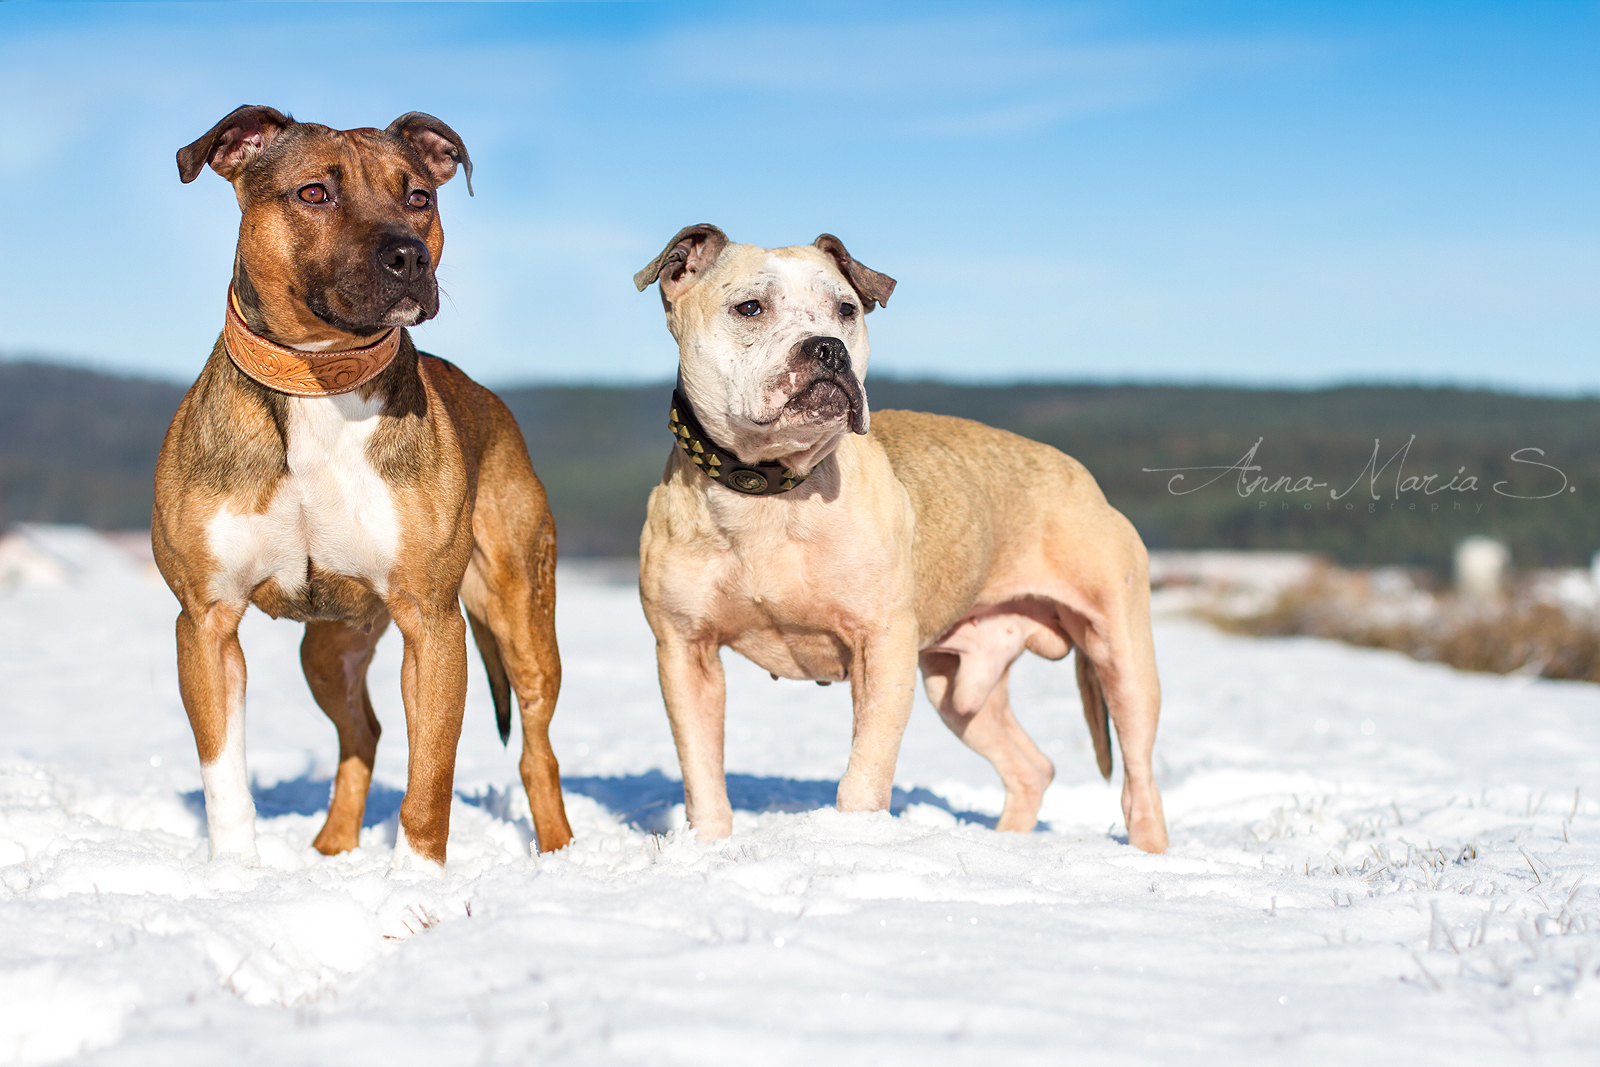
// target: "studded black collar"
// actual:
[[722, 466]]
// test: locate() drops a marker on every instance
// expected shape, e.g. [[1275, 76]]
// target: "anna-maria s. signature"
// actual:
[[1251, 482]]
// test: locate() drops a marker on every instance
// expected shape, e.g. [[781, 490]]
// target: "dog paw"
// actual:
[[252, 858], [1146, 822], [407, 858]]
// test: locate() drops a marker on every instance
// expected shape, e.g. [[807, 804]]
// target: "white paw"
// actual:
[[407, 858], [244, 852], [234, 837]]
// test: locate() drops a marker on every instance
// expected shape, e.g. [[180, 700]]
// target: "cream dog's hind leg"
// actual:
[[966, 675], [992, 731], [1121, 658]]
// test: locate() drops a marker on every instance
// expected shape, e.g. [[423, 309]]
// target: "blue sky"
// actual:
[[1258, 193]]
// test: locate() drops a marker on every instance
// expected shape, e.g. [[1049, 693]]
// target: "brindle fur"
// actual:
[[474, 526]]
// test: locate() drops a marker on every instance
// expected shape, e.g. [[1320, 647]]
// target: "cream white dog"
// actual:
[[828, 544]]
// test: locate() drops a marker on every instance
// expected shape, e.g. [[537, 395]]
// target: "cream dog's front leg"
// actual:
[[696, 696], [883, 677]]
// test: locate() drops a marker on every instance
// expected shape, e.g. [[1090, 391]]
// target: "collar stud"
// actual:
[[750, 479]]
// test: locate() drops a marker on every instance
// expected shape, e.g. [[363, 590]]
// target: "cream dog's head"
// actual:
[[772, 345]]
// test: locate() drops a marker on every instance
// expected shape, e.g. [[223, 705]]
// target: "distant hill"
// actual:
[[77, 446], [1320, 435]]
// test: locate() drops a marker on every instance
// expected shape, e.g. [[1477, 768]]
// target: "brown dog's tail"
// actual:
[[499, 682], [1095, 712]]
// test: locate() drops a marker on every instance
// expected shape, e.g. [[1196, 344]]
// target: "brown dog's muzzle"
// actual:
[[393, 286], [406, 258], [408, 292]]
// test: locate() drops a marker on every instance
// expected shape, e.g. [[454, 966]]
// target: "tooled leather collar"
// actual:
[[722, 466], [288, 370]]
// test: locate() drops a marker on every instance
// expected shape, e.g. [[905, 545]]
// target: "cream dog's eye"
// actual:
[[749, 308], [847, 311]]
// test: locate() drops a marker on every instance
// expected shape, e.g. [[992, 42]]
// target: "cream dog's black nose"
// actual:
[[830, 352], [405, 257]]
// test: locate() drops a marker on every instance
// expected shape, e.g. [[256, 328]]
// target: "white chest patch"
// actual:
[[332, 509]]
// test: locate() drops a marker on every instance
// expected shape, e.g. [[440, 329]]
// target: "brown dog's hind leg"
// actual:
[[511, 601], [335, 657], [509, 591], [535, 668], [992, 731]]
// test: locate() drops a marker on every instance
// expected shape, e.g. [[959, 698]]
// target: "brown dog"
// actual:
[[326, 471], [787, 531]]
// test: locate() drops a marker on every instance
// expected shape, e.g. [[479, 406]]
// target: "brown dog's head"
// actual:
[[340, 235], [772, 345]]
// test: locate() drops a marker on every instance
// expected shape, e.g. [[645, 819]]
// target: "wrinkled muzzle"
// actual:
[[827, 387]]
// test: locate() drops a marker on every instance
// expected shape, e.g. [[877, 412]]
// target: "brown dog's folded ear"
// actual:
[[686, 256], [868, 283], [232, 143], [440, 147]]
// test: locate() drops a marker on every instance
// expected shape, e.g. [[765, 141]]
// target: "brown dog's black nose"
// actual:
[[830, 352], [405, 257]]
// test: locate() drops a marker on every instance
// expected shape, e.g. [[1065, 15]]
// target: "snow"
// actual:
[[1371, 859], [1270, 572]]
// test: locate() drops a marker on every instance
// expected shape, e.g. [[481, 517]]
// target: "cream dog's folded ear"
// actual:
[[684, 259], [868, 283]]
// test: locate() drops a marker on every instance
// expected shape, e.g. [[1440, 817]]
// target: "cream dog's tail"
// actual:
[[1095, 712]]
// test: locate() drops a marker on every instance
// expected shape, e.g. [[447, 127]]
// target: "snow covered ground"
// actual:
[[1372, 859]]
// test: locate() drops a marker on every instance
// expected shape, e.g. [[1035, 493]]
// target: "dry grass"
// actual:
[[1517, 635]]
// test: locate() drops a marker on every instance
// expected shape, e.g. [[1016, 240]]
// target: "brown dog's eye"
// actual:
[[419, 199], [749, 308], [315, 194], [847, 311]]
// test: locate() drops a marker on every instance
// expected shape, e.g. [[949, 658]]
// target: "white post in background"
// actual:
[[1481, 568]]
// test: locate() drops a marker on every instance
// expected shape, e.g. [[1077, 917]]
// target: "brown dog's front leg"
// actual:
[[211, 680], [695, 692], [433, 683], [883, 678]]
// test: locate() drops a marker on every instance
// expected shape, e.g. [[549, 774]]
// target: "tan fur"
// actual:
[[471, 520], [930, 541]]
